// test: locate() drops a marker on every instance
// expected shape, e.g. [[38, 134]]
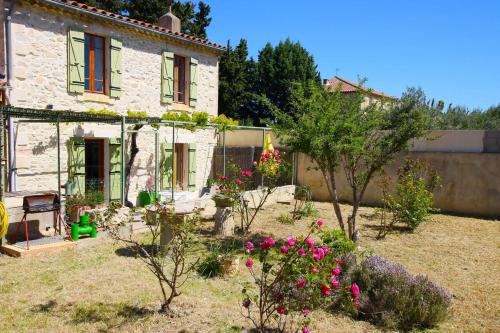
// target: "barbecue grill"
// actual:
[[42, 203]]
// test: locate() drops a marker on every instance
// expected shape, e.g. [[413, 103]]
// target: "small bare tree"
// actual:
[[168, 262]]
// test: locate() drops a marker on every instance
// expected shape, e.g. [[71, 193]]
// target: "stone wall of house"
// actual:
[[40, 79]]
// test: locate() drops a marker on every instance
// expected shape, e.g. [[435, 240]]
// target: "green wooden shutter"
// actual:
[[193, 83], [192, 167], [76, 61], [167, 156], [115, 184], [115, 87], [167, 77], [76, 165]]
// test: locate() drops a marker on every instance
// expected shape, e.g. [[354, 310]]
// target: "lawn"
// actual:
[[104, 289]]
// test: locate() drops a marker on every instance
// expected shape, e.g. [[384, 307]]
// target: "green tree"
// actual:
[[195, 19], [342, 135], [279, 67]]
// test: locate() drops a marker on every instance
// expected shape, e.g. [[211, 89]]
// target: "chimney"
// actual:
[[169, 21]]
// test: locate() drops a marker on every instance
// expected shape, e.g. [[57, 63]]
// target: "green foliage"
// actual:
[[94, 198], [102, 112], [137, 114], [337, 241], [200, 118], [286, 219], [393, 298], [195, 19], [414, 198], [223, 121], [91, 199], [340, 132], [211, 266], [304, 207]]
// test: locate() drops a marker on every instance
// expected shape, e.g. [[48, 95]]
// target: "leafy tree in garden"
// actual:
[[340, 134], [194, 18]]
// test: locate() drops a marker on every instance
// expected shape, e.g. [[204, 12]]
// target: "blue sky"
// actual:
[[450, 48]]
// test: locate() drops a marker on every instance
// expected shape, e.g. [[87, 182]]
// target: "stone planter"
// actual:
[[231, 266], [221, 201]]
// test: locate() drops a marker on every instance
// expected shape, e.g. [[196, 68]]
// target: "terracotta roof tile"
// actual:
[[347, 87], [118, 17]]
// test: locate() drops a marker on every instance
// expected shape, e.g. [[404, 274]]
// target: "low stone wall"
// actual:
[[470, 181]]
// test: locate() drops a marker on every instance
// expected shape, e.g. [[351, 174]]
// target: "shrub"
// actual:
[[285, 219], [338, 242], [295, 276], [211, 266], [395, 299]]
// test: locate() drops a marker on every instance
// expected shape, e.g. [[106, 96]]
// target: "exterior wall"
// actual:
[[40, 79], [40, 65]]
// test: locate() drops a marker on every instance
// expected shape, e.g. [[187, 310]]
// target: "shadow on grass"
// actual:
[[131, 252], [113, 315], [44, 307], [234, 244]]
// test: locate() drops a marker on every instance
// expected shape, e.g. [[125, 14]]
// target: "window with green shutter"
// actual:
[[166, 161], [193, 82], [114, 169], [167, 77], [115, 87], [192, 167], [76, 61], [76, 165]]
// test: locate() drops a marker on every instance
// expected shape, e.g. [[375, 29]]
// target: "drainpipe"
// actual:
[[8, 47]]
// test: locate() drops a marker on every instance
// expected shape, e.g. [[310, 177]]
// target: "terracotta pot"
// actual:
[[76, 211]]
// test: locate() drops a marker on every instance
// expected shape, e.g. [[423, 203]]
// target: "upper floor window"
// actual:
[[94, 64], [179, 79]]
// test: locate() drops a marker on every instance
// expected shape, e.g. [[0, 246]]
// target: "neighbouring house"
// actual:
[[65, 55], [348, 87]]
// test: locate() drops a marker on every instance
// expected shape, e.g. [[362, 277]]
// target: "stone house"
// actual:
[[64, 55]]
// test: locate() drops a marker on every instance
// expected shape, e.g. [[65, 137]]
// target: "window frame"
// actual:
[[184, 82], [92, 52]]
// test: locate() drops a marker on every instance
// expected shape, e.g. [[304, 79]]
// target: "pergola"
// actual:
[[55, 117]]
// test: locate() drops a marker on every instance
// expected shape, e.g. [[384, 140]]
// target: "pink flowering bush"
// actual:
[[293, 277]]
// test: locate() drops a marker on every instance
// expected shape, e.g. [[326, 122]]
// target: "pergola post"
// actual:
[[224, 150], [122, 162], [2, 153], [172, 177], [157, 171], [58, 158], [263, 148]]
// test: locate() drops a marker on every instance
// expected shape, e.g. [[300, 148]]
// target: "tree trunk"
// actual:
[[332, 189], [134, 150], [224, 221]]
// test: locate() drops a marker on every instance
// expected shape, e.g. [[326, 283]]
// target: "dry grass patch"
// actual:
[[102, 289]]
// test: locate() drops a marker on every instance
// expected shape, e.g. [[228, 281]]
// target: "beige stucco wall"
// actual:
[[40, 79], [470, 181]]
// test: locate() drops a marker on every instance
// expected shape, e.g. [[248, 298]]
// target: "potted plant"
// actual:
[[148, 196], [75, 205]]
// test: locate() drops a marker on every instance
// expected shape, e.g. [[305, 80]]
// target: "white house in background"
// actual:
[[65, 55], [348, 87]]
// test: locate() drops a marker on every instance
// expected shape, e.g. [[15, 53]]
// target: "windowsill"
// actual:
[[98, 98], [175, 106]]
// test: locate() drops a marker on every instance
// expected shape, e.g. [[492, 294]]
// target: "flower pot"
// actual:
[[75, 212], [231, 266], [221, 201]]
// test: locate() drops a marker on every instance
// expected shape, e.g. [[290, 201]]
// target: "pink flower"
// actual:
[[248, 173], [255, 163], [354, 290], [309, 241], [242, 172], [249, 263], [301, 252], [300, 283], [356, 304], [326, 249], [340, 261], [238, 182], [306, 311], [319, 222], [315, 270], [249, 246], [290, 241], [335, 283], [325, 290], [318, 254], [284, 249], [281, 310], [222, 178], [336, 271], [306, 330], [267, 244]]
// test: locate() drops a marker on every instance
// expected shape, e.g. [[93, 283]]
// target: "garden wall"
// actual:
[[468, 162]]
